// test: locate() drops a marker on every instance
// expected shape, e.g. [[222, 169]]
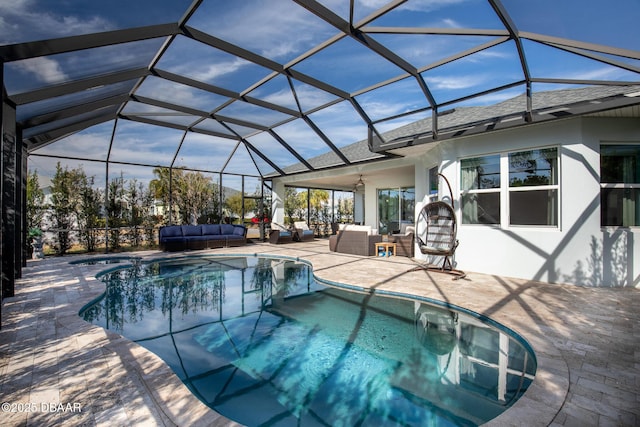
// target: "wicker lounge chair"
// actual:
[[302, 232], [280, 234]]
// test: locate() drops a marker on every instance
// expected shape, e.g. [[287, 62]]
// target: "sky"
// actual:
[[282, 31]]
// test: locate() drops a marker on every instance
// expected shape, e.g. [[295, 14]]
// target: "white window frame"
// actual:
[[631, 186], [505, 190], [532, 188], [498, 190]]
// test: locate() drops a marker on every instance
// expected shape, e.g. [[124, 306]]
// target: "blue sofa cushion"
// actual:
[[238, 230], [226, 229], [191, 230], [285, 233], [171, 231], [210, 229], [307, 232]]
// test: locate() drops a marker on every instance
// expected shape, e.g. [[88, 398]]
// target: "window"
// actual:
[[481, 190], [533, 187], [526, 181], [620, 185], [433, 181]]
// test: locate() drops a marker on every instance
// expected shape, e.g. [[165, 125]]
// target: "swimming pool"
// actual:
[[261, 342]]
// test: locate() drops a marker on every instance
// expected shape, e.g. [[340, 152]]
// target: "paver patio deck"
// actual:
[[56, 369]]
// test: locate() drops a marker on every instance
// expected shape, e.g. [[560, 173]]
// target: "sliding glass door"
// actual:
[[395, 208]]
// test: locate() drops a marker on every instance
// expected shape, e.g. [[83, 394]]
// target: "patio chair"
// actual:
[[436, 228], [302, 232], [280, 234]]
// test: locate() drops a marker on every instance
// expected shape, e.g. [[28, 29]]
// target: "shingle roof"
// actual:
[[545, 105], [466, 116]]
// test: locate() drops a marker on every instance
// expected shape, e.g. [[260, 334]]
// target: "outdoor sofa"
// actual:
[[361, 240], [405, 241], [355, 240], [202, 236]]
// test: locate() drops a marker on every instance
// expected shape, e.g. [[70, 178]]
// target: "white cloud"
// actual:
[[265, 27], [213, 71], [45, 70], [383, 109], [489, 54], [603, 73], [341, 124], [454, 83], [174, 93], [311, 97], [373, 4], [28, 22], [281, 97], [429, 5]]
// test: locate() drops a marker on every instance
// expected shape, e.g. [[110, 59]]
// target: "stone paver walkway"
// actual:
[[56, 369]]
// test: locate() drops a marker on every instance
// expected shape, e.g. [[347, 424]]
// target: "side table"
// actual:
[[388, 247]]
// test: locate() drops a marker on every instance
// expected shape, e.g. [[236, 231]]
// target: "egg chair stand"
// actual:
[[436, 228]]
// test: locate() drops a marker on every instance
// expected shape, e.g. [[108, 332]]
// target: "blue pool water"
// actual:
[[261, 342]]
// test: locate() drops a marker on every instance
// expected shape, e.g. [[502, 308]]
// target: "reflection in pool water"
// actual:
[[261, 342], [104, 260]]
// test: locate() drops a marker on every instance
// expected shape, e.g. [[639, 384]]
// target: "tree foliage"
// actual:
[[88, 213], [234, 204], [36, 207], [160, 186], [65, 200], [318, 205], [193, 196], [344, 212], [294, 203], [139, 204], [116, 206], [128, 207]]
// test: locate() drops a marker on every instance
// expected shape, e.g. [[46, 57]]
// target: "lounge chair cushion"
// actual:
[[435, 251], [353, 227], [302, 225]]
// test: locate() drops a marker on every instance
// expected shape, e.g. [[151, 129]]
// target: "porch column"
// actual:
[[277, 202], [11, 244], [358, 208]]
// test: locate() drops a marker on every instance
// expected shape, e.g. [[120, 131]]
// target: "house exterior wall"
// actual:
[[579, 250]]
